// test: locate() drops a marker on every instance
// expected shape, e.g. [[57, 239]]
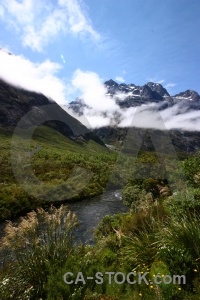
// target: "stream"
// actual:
[[90, 212]]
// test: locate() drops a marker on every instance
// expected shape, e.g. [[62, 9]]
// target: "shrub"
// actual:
[[40, 242]]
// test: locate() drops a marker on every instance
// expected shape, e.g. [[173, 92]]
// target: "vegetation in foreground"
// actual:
[[159, 235], [40, 250]]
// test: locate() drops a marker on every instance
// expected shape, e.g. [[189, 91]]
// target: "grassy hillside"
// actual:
[[57, 162], [70, 170], [159, 235]]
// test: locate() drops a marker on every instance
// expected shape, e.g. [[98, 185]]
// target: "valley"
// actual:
[[97, 200]]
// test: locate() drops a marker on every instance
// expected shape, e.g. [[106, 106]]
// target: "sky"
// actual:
[[62, 47]]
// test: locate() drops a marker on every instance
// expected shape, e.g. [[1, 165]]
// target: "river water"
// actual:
[[90, 212]]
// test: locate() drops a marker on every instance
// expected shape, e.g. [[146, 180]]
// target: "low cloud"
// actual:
[[38, 77], [150, 117], [102, 109], [93, 91], [122, 96], [97, 120], [37, 24], [144, 116], [176, 120]]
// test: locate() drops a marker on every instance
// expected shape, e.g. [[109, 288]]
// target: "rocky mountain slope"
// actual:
[[184, 142], [31, 109], [15, 103], [130, 95]]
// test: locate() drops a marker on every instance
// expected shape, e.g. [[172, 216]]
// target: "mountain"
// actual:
[[78, 106], [64, 161], [131, 95], [32, 108], [15, 103], [184, 142]]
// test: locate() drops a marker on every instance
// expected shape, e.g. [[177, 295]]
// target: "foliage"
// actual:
[[41, 241], [151, 240], [192, 169], [159, 235], [136, 198], [60, 163]]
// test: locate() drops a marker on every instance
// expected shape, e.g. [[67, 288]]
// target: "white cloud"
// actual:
[[38, 24], [1, 11], [169, 85], [161, 81], [103, 111], [122, 96], [97, 121], [51, 26], [142, 117], [39, 77], [93, 92], [148, 117], [119, 79], [153, 79], [188, 121], [22, 11], [77, 20]]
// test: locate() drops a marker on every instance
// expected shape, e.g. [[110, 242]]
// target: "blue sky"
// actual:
[[135, 41]]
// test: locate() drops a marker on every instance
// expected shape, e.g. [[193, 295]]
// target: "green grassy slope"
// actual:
[[57, 162]]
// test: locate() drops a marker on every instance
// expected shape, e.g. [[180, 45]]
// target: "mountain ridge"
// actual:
[[131, 95], [31, 108]]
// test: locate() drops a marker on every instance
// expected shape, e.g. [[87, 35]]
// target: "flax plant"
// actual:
[[184, 236], [41, 242], [139, 247]]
